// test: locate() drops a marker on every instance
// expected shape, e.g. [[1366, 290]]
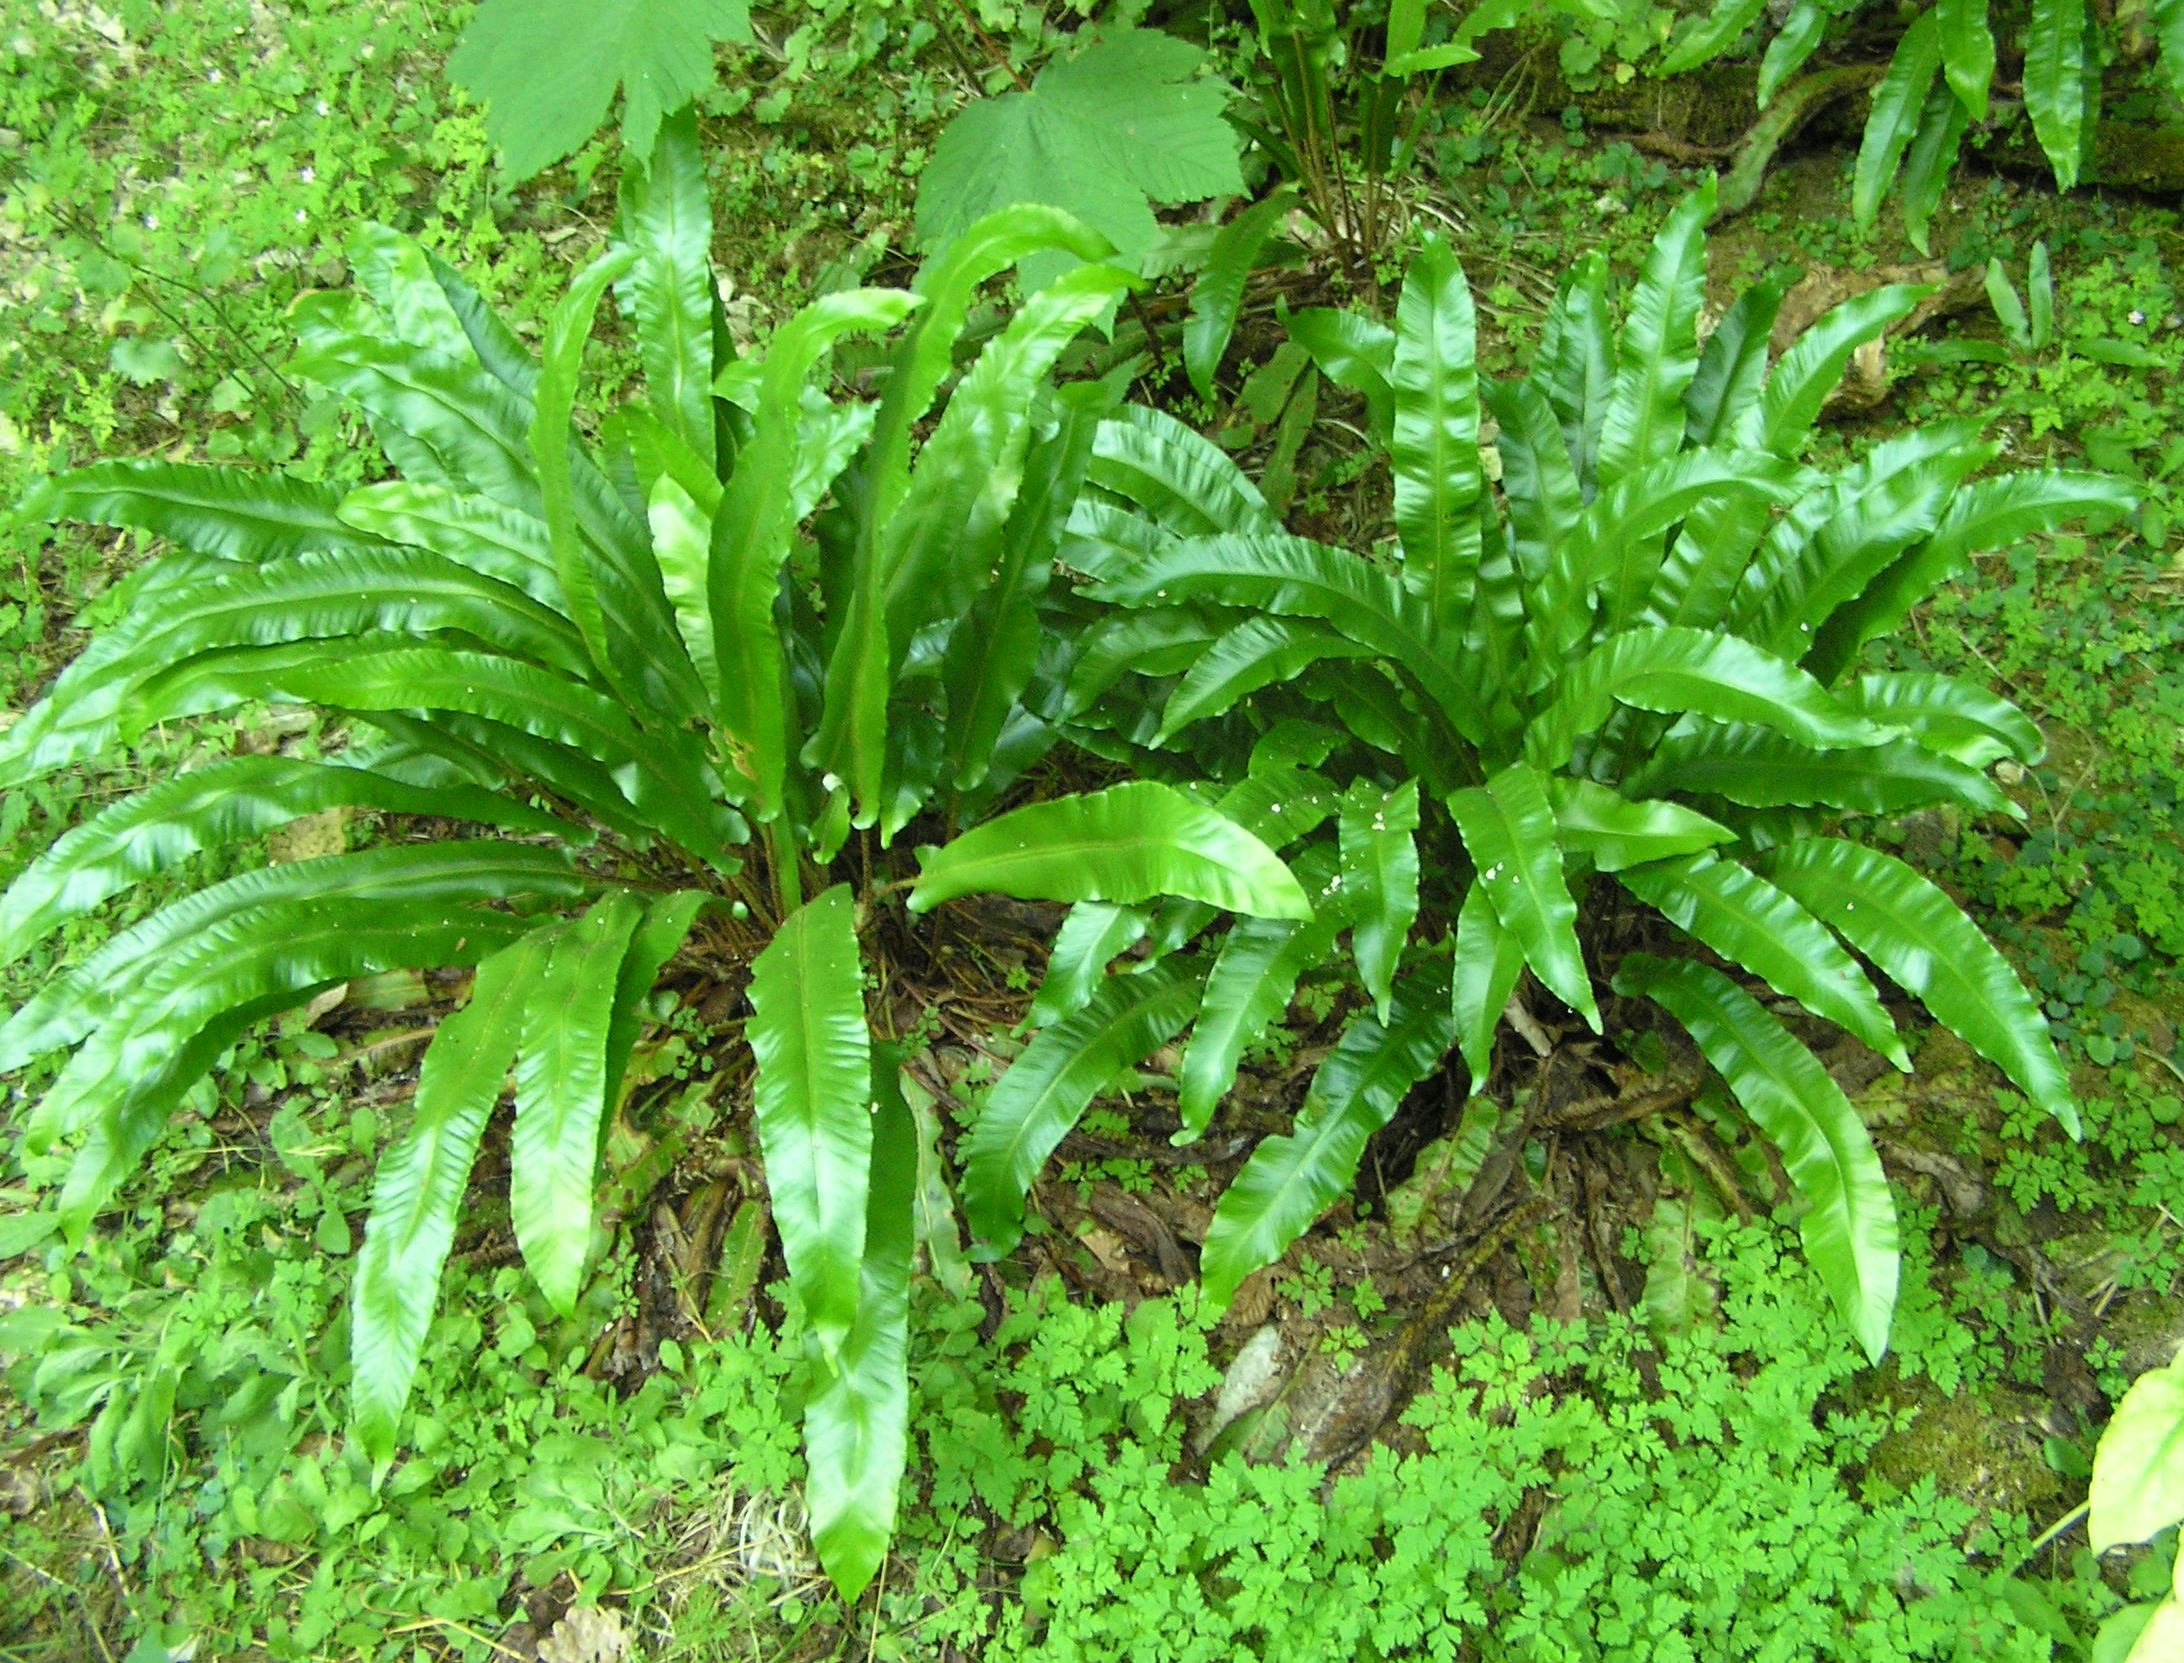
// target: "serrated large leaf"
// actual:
[[1910, 928], [1849, 1224], [813, 1096], [1434, 447], [419, 1190], [1378, 837], [233, 513], [1048, 1087], [1290, 1180], [857, 1419], [1750, 922], [547, 70], [562, 1091], [2060, 53], [1508, 827], [1121, 120], [1657, 349], [1127, 844], [1680, 671], [219, 803]]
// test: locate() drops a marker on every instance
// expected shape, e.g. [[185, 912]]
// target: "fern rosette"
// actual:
[[1608, 657], [660, 677]]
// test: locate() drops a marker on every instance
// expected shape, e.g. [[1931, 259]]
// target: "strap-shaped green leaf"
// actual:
[[99, 988], [1357, 354], [551, 438], [1750, 922], [1292, 577], [1508, 826], [1575, 365], [1701, 39], [1180, 479], [1537, 479], [1761, 768], [1434, 448], [1920, 938], [1931, 161], [1849, 1223], [1992, 513], [1721, 406], [492, 342], [1277, 803], [660, 772], [1812, 368], [857, 1419], [1678, 671], [1967, 52], [659, 935], [397, 273], [1290, 1180], [682, 544], [1218, 295], [1483, 974], [1615, 831], [1835, 540], [751, 535], [1086, 944], [993, 651], [487, 536], [813, 1096], [1657, 349], [233, 513], [1897, 102], [1952, 718], [1254, 976], [562, 1092], [1794, 42], [1049, 1086], [1377, 831], [420, 1185], [1259, 652], [1127, 844], [2061, 50], [237, 797], [941, 545], [667, 221], [120, 1083]]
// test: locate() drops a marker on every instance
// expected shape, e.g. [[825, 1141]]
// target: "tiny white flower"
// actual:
[[307, 174], [214, 76], [2137, 317], [323, 107], [151, 222], [301, 216]]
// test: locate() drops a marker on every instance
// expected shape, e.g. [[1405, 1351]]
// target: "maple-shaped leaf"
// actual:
[[1119, 125], [546, 70]]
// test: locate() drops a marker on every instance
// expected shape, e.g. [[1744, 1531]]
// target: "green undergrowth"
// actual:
[[1716, 1496]]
